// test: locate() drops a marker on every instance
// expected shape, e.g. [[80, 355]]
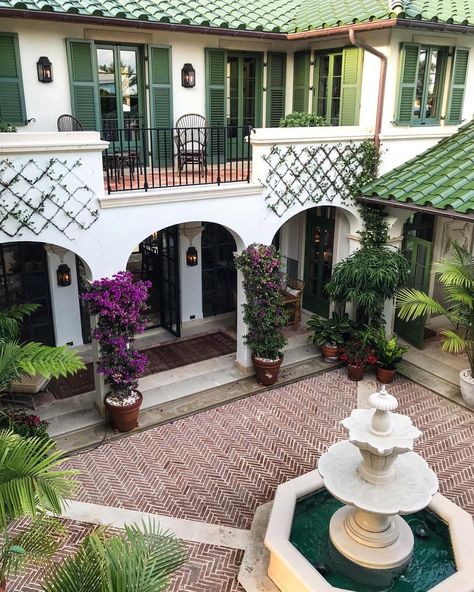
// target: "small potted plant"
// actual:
[[264, 312], [119, 304], [388, 352], [329, 334], [357, 355]]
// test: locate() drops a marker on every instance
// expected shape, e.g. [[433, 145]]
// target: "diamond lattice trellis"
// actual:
[[36, 196], [310, 173]]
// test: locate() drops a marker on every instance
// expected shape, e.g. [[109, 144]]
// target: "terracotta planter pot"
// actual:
[[466, 382], [385, 375], [267, 371], [124, 418], [355, 373], [3, 586], [330, 353]]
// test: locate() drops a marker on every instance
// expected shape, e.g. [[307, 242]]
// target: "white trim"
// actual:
[[177, 194], [34, 142]]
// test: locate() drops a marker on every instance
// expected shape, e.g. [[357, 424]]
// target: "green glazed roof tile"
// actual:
[[442, 177], [284, 16]]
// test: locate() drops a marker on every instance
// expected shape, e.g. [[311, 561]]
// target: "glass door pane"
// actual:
[[107, 88]]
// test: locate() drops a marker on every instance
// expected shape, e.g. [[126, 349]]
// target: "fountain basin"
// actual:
[[291, 572]]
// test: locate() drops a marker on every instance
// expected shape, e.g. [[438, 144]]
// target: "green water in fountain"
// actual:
[[432, 562]]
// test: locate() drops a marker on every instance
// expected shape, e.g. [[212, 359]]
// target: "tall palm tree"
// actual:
[[141, 559], [457, 278], [20, 359]]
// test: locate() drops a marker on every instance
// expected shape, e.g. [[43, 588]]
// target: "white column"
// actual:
[[190, 277], [390, 310], [243, 359]]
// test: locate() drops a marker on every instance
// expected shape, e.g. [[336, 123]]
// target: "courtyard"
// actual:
[[204, 476]]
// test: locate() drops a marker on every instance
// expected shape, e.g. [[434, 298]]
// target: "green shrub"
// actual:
[[6, 127], [297, 119]]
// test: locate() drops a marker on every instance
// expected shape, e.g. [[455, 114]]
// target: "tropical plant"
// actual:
[[333, 331], [119, 304], [264, 312], [456, 275], [301, 119], [21, 359], [141, 559], [388, 351], [371, 275]]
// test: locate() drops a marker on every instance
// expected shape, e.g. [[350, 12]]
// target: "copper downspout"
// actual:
[[382, 78]]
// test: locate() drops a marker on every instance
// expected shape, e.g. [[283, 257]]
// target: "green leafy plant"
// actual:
[[301, 119], [333, 331], [141, 559], [6, 127], [22, 359], [456, 275], [389, 352], [264, 311], [23, 423]]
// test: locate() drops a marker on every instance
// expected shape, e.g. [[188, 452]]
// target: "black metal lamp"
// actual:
[[45, 69], [191, 256], [188, 76], [64, 275]]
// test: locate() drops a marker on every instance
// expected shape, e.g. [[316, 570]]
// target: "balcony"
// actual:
[[145, 158]]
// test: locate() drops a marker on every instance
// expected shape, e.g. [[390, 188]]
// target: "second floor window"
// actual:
[[327, 87]]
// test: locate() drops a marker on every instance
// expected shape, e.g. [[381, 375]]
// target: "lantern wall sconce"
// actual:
[[191, 256], [188, 76], [45, 69], [64, 275]]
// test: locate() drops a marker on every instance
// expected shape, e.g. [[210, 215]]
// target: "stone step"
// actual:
[[441, 367]]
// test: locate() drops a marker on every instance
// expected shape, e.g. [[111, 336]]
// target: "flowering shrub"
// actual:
[[355, 353], [264, 312], [119, 304], [24, 424]]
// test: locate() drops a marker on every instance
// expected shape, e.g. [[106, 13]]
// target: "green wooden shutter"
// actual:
[[83, 83], [352, 58], [410, 55], [301, 81], [216, 70], [276, 78], [457, 85], [12, 100], [161, 103]]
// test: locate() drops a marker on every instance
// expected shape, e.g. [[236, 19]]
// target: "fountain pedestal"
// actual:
[[378, 476]]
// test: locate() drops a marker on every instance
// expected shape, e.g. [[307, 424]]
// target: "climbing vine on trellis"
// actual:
[[35, 196], [313, 173]]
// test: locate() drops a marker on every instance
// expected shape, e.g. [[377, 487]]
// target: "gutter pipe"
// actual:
[[382, 79]]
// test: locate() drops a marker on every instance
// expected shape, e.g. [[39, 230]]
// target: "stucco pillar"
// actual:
[[99, 384], [389, 310], [190, 277], [243, 360]]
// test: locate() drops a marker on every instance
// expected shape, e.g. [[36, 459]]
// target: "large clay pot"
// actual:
[[124, 418], [330, 353], [355, 373], [466, 382], [385, 375], [267, 370]]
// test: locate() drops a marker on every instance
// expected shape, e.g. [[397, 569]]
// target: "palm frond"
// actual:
[[414, 303], [11, 317], [453, 343], [31, 483]]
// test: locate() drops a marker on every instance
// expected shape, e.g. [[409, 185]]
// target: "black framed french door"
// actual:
[[24, 279], [169, 280]]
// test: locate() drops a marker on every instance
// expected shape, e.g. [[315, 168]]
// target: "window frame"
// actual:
[[445, 54], [318, 56]]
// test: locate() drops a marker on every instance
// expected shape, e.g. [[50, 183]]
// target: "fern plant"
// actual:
[[141, 559], [456, 275], [20, 359]]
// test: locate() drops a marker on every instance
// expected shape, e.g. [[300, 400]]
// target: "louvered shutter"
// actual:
[[301, 81], [216, 64], [408, 74], [161, 103], [83, 83], [12, 101], [457, 86], [352, 58], [276, 77]]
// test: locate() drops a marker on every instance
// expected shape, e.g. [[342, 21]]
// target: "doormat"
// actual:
[[160, 358]]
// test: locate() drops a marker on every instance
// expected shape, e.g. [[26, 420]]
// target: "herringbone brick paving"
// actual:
[[220, 465]]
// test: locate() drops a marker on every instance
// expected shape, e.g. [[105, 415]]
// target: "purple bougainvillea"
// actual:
[[119, 304]]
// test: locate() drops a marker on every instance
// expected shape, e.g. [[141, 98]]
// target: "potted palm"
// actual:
[[329, 334], [456, 275], [389, 353], [264, 312], [119, 304]]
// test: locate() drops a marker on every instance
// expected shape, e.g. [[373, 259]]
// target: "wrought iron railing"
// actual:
[[148, 158]]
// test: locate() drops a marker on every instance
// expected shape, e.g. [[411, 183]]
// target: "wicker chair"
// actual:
[[191, 141], [68, 123], [292, 297]]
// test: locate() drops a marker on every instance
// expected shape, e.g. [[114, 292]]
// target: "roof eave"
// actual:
[[416, 208]]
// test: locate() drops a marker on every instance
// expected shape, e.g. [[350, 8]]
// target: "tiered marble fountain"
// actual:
[[318, 544], [379, 476]]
